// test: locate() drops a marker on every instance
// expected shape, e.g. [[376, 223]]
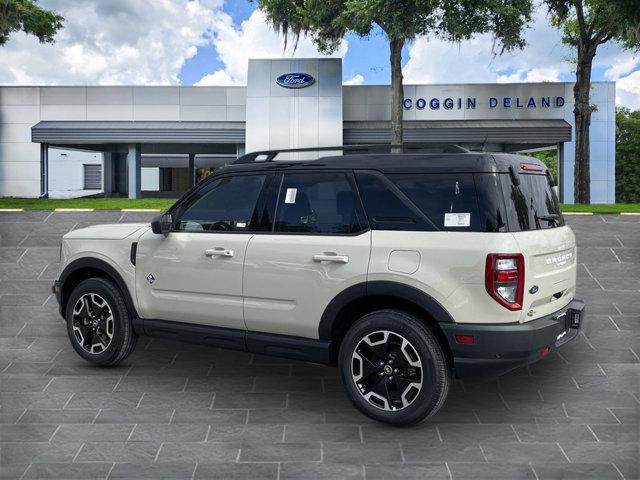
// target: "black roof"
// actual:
[[471, 162]]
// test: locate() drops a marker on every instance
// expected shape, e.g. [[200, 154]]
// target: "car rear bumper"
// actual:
[[496, 349]]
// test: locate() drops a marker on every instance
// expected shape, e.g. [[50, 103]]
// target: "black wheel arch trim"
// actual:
[[97, 264], [382, 288]]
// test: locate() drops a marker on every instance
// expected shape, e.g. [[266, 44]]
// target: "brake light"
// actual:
[[504, 279], [531, 167]]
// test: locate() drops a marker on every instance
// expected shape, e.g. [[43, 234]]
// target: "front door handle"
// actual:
[[331, 257], [220, 252]]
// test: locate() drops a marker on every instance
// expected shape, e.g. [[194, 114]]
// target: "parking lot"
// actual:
[[177, 410]]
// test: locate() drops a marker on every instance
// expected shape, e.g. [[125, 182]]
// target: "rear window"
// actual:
[[532, 205]]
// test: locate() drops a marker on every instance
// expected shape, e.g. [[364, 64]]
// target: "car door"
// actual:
[[194, 274], [319, 246]]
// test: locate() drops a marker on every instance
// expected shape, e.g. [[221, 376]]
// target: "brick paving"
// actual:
[[182, 411]]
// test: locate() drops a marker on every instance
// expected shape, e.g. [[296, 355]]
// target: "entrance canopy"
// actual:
[[516, 132], [86, 132]]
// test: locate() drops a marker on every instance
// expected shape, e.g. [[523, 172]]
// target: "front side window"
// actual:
[[226, 204], [324, 203]]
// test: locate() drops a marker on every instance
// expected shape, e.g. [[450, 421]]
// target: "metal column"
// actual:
[[133, 170], [44, 170], [192, 169]]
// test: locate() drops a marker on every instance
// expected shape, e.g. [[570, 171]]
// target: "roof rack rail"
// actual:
[[270, 155]]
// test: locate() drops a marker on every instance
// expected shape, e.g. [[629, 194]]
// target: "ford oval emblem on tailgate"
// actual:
[[295, 80]]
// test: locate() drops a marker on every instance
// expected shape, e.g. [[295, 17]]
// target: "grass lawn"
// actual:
[[603, 208], [164, 203], [95, 203]]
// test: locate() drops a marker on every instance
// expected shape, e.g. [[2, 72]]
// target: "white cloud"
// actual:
[[253, 39], [219, 77], [622, 65], [531, 75], [114, 42], [436, 61], [357, 79], [628, 91]]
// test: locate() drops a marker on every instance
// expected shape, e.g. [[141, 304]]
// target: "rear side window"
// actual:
[[322, 203], [532, 205], [385, 208], [448, 200]]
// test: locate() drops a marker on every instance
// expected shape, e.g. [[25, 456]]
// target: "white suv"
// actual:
[[401, 269]]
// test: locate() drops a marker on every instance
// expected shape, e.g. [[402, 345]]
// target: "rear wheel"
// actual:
[[98, 323], [394, 368]]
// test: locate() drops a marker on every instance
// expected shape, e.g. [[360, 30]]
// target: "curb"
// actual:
[[577, 213], [73, 209], [11, 209], [140, 210]]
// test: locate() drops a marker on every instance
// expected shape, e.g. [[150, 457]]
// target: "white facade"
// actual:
[[277, 117], [66, 172]]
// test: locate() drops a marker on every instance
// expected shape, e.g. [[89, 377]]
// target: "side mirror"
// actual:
[[161, 225]]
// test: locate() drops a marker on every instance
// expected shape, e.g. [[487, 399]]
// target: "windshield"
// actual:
[[532, 205]]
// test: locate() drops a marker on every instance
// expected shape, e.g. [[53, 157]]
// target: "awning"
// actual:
[[59, 132], [462, 131]]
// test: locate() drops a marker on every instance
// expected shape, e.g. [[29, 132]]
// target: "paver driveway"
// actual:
[[181, 411]]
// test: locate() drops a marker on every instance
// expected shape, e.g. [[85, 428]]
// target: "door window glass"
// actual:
[[448, 200], [318, 203], [386, 210], [225, 204]]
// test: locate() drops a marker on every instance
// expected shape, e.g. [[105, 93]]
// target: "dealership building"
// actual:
[[147, 141]]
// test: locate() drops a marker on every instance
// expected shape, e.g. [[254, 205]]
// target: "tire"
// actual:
[[393, 368], [98, 322]]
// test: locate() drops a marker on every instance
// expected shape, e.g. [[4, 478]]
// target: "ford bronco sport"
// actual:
[[401, 269]]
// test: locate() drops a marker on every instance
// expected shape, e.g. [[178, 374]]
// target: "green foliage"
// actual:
[[28, 17], [327, 21], [549, 158], [627, 155], [597, 21]]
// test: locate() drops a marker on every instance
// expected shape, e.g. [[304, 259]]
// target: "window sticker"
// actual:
[[290, 197], [241, 224], [457, 219]]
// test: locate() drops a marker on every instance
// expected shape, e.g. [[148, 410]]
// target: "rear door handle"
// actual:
[[324, 257], [219, 252]]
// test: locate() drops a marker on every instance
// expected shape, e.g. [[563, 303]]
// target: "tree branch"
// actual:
[[580, 14]]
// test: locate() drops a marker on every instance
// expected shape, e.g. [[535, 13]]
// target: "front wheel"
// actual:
[[394, 368], [98, 323]]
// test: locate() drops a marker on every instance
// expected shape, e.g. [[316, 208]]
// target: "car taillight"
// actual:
[[504, 279]]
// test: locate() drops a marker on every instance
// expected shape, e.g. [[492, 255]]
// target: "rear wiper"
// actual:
[[552, 217]]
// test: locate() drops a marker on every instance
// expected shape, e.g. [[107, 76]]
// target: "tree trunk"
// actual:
[[397, 90], [582, 114]]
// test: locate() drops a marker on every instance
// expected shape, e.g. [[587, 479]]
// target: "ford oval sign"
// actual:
[[295, 80]]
